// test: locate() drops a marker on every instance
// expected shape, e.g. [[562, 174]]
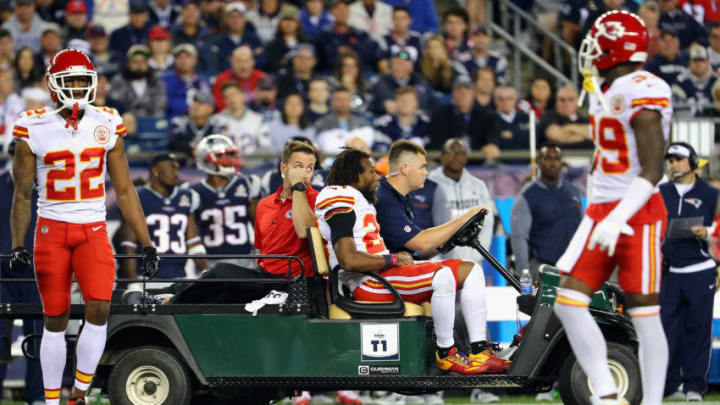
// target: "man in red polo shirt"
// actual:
[[282, 217]]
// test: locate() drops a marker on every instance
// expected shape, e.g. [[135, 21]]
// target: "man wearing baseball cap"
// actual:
[[237, 35], [694, 87], [688, 287], [402, 73], [134, 33], [76, 19]]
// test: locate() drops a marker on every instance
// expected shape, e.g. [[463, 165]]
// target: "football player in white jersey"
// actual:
[[625, 221], [348, 222], [65, 153]]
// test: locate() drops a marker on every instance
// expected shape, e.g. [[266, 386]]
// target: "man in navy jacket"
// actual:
[[686, 296]]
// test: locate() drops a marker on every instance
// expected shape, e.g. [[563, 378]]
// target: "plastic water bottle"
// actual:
[[526, 283]]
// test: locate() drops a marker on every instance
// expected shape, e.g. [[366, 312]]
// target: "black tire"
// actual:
[[165, 379], [573, 383]]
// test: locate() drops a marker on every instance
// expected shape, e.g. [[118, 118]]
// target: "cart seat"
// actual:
[[342, 307]]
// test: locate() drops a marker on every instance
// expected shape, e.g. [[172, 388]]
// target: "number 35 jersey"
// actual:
[[615, 162], [70, 164]]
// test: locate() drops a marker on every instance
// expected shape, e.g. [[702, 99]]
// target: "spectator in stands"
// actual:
[[161, 60], [565, 125], [484, 80], [242, 71], [109, 15], [573, 15], [163, 13], [319, 94], [51, 11], [297, 79], [714, 48], [457, 191], [25, 25], [136, 32], [349, 75], [187, 130], [292, 122], [482, 56], [455, 23], [512, 128], [371, 16], [266, 17], [265, 102], [76, 20], [144, 93], [244, 126], [539, 98], [408, 122], [237, 35], [7, 49], [436, 66], [342, 126], [599, 8], [287, 38], [693, 90], [102, 99], [341, 37], [212, 14], [649, 12], [423, 14], [11, 105], [314, 19], [674, 19], [545, 215], [705, 12], [669, 62], [182, 79], [28, 71], [50, 43], [465, 120], [401, 74], [191, 29], [104, 58], [400, 36]]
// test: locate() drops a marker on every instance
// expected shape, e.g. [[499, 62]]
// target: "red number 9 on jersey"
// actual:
[[610, 136]]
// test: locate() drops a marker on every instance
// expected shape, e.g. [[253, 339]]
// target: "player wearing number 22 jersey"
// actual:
[[625, 221], [66, 153]]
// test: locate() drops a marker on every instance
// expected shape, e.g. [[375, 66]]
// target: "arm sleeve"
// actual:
[[521, 222], [486, 234], [341, 221]]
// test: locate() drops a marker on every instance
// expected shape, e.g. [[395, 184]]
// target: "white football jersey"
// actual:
[[366, 231], [70, 165], [615, 162]]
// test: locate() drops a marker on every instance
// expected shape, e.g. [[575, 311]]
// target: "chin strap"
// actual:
[[591, 85], [73, 118]]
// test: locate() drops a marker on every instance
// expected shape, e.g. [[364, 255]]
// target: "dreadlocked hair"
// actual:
[[346, 167]]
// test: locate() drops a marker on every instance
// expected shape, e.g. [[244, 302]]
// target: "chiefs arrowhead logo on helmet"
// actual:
[[65, 68], [616, 37]]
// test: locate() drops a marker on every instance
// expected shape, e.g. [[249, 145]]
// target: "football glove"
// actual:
[[606, 234], [20, 259], [150, 262]]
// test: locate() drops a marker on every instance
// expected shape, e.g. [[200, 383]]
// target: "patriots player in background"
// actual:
[[224, 202], [66, 153], [624, 223], [169, 219]]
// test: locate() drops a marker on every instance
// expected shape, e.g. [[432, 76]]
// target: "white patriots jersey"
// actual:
[[334, 200], [615, 162], [70, 165]]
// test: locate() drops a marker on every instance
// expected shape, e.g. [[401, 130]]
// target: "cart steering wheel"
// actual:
[[467, 233]]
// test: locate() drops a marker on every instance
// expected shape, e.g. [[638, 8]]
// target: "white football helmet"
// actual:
[[217, 154]]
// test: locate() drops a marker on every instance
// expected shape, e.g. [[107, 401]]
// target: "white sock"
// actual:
[[442, 305], [653, 352], [53, 351], [585, 338], [474, 304], [90, 346]]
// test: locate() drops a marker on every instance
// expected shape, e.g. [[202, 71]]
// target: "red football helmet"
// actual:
[[217, 154], [64, 65], [616, 36]]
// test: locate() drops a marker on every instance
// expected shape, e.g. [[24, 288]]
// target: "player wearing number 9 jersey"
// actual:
[[67, 153], [224, 202], [625, 221]]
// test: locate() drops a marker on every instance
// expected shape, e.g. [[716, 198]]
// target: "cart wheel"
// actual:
[[150, 375], [575, 387]]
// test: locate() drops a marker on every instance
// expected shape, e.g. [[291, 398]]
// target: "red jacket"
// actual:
[[248, 84]]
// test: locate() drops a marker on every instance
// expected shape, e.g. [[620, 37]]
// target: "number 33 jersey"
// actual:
[[70, 165], [615, 161]]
